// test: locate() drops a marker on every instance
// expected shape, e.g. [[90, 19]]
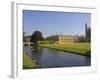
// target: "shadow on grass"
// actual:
[[26, 67], [88, 53]]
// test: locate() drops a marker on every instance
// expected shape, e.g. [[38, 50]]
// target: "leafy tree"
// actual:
[[88, 35], [36, 36], [24, 36]]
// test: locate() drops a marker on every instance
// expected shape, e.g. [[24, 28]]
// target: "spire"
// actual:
[[86, 25], [86, 30]]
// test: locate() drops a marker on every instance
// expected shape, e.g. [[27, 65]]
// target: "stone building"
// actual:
[[67, 38], [63, 38]]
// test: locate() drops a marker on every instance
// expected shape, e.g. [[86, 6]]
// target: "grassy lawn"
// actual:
[[28, 63], [79, 48]]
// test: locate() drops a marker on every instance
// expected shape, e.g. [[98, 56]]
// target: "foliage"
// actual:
[[88, 35], [81, 39], [44, 42], [36, 36]]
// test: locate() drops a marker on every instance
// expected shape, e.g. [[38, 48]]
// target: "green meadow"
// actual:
[[81, 48]]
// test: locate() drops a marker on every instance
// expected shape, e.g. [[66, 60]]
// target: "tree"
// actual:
[[88, 34], [24, 36], [36, 36], [81, 38]]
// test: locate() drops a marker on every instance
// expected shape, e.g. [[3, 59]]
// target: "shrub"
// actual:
[[45, 42]]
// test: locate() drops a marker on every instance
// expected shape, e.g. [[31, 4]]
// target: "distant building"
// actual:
[[27, 39], [63, 38], [72, 38], [67, 38]]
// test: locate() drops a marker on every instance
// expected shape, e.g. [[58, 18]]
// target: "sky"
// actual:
[[51, 23]]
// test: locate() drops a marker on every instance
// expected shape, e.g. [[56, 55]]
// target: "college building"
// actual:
[[67, 38], [62, 39]]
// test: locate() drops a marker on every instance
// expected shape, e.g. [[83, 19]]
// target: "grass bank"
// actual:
[[28, 63], [78, 48]]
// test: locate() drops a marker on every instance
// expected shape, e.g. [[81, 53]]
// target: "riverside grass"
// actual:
[[81, 48], [28, 63]]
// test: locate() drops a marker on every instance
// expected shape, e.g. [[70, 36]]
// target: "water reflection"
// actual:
[[49, 58]]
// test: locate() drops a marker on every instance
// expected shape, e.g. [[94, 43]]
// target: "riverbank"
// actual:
[[77, 48], [28, 63]]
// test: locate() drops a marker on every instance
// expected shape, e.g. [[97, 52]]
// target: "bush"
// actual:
[[45, 42]]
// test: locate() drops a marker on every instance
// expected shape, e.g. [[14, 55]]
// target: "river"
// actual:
[[50, 58]]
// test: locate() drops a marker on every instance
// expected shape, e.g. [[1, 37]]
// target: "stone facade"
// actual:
[[67, 38]]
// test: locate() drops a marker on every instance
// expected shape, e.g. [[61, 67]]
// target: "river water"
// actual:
[[50, 58]]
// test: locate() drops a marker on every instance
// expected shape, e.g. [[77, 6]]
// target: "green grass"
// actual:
[[28, 63], [79, 48]]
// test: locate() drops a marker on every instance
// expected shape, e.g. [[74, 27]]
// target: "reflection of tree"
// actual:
[[37, 54], [38, 49], [87, 61]]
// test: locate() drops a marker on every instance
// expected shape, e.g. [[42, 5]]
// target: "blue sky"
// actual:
[[50, 23]]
